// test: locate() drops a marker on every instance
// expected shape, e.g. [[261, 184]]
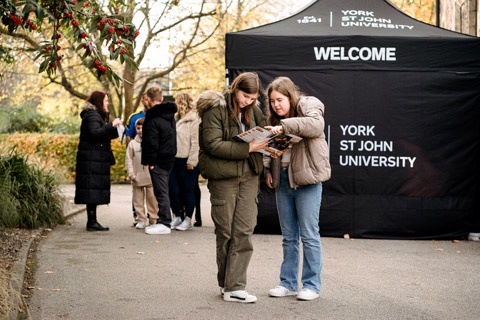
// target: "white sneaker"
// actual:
[[158, 229], [307, 295], [474, 236], [281, 291], [241, 296], [141, 225], [176, 221], [185, 225]]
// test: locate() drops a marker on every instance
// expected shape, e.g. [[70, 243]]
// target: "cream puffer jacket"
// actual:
[[187, 137], [137, 173], [309, 163]]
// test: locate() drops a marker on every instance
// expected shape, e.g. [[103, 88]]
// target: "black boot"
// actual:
[[198, 214], [96, 227], [92, 224]]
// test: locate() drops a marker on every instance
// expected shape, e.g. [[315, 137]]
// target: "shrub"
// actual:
[[66, 125], [26, 118], [30, 195], [57, 152]]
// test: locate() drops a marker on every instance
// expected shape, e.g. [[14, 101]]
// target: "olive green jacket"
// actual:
[[220, 156]]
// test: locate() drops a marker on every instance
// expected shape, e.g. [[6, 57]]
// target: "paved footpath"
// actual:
[[127, 274]]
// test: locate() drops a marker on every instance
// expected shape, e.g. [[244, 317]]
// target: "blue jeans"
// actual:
[[298, 212]]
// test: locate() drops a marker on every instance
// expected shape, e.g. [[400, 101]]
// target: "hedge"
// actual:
[[57, 152]]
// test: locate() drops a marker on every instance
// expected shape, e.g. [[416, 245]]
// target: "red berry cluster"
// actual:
[[98, 65], [15, 19], [117, 27], [114, 31], [32, 25]]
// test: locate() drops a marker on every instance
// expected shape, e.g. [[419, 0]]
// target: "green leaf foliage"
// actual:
[[31, 195]]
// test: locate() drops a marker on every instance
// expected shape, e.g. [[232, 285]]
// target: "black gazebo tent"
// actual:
[[402, 103]]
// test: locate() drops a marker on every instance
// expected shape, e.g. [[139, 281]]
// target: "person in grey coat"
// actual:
[[94, 157]]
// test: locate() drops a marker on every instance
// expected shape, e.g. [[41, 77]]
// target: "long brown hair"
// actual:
[[286, 87], [248, 82], [96, 98]]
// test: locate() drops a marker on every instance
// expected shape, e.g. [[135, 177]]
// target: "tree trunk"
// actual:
[[129, 75]]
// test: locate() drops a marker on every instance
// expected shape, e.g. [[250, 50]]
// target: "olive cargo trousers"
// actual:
[[234, 213]]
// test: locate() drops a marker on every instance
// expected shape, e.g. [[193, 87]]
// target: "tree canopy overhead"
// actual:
[[81, 45], [82, 22], [105, 34]]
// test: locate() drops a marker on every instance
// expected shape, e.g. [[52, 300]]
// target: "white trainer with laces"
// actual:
[[158, 229], [307, 295], [176, 221], [241, 296], [185, 225], [141, 225], [281, 291]]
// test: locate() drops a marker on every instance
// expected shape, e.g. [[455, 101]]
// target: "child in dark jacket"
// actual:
[[159, 147]]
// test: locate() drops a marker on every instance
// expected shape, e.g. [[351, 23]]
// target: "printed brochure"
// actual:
[[277, 144]]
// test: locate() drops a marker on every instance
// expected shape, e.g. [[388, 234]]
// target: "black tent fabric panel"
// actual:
[[267, 219], [406, 223], [351, 53], [402, 113], [414, 114]]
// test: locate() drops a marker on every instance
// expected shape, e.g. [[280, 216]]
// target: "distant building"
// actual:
[[460, 15]]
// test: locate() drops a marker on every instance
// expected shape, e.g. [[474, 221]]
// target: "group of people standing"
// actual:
[[178, 141]]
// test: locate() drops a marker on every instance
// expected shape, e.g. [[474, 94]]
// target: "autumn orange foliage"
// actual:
[[423, 10], [57, 152]]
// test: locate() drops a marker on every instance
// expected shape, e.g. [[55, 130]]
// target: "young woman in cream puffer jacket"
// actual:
[[185, 173]]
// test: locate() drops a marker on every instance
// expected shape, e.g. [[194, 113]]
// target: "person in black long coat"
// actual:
[[94, 157]]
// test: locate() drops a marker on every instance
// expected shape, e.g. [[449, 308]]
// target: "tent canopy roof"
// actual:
[[351, 17], [351, 35]]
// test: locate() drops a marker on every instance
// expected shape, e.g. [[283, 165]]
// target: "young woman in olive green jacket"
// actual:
[[232, 169]]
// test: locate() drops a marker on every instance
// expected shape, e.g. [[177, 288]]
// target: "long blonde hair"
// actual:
[[184, 103]]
